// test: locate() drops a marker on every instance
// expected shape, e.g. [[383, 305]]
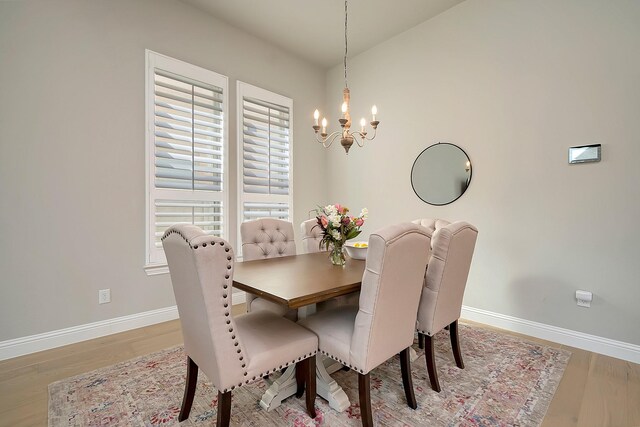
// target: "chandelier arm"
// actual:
[[364, 135], [331, 137], [362, 138]]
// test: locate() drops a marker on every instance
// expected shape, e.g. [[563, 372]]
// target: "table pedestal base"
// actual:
[[281, 388], [413, 355], [286, 386], [327, 387]]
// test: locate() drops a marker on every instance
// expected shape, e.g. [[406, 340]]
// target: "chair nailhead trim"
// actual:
[[225, 285], [355, 368], [271, 371]]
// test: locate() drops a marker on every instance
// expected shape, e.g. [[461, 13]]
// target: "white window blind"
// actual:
[[186, 143], [264, 154]]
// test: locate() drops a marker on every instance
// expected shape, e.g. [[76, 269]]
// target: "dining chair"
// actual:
[[311, 238], [231, 351], [262, 239], [444, 284], [382, 325]]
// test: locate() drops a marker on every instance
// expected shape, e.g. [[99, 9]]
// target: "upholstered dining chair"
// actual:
[[267, 238], [311, 236], [444, 284], [232, 352], [363, 337]]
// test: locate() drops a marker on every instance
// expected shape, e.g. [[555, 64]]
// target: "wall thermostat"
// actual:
[[584, 154]]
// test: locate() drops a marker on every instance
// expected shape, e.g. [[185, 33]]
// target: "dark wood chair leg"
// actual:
[[455, 344], [407, 382], [189, 389], [364, 388], [429, 355], [420, 340], [224, 409], [311, 386], [301, 375], [446, 328]]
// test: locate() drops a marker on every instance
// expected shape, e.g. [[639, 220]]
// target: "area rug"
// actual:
[[506, 382]]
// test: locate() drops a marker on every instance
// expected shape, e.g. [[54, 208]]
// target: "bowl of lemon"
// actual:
[[356, 250]]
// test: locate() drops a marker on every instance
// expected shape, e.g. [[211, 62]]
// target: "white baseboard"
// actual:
[[48, 340], [596, 344]]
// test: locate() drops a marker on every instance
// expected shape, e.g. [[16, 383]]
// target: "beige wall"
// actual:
[[72, 180], [515, 83]]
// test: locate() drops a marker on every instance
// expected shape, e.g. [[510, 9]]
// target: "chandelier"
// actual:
[[347, 136]]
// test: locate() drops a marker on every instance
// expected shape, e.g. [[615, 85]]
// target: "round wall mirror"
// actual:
[[441, 174]]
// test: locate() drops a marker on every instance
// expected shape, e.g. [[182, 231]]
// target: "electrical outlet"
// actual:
[[584, 298], [104, 296]]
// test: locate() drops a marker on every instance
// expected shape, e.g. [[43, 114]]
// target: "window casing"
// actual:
[[265, 148], [186, 150]]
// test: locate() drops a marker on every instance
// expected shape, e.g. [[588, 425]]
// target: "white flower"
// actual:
[[336, 234], [330, 210], [334, 220], [364, 213]]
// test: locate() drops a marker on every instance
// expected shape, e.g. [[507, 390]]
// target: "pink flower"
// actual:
[[338, 207], [346, 220], [359, 222], [324, 221]]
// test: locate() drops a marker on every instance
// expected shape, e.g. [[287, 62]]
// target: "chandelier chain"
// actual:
[[345, 44]]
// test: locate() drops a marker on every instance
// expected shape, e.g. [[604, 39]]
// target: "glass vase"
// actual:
[[336, 255]]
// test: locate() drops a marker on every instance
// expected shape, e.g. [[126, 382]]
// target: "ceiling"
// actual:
[[314, 30]]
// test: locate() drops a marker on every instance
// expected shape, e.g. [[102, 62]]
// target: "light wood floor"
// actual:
[[596, 390]]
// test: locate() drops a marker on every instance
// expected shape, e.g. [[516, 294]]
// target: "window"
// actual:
[[264, 154], [186, 150]]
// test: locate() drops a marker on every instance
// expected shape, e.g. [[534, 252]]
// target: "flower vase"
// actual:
[[337, 255]]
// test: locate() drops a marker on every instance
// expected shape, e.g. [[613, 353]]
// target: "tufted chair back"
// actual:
[[311, 236], [201, 268], [267, 238], [446, 277], [390, 292]]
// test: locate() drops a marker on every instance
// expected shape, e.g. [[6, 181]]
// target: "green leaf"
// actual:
[[353, 233]]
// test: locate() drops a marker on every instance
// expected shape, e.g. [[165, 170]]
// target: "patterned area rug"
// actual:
[[506, 382]]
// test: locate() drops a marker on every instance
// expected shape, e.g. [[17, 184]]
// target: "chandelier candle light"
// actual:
[[347, 136]]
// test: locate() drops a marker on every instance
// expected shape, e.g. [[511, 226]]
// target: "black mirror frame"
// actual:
[[414, 165]]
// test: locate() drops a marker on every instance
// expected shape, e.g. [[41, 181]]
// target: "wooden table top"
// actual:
[[298, 280]]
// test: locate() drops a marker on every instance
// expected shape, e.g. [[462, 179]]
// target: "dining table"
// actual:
[[300, 282]]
